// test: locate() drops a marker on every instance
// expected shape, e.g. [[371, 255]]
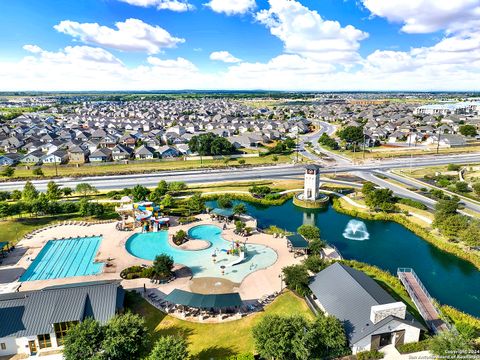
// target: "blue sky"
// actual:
[[240, 44]]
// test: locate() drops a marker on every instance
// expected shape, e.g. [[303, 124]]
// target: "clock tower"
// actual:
[[311, 183]]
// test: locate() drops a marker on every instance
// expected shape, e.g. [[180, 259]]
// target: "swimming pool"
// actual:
[[148, 245], [65, 258]]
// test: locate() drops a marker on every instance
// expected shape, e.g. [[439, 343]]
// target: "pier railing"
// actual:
[[435, 325]]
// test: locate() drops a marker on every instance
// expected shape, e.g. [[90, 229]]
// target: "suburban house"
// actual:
[[57, 157], [121, 152], [10, 159], [34, 157], [371, 317], [101, 155], [37, 321], [447, 140], [144, 153], [78, 155], [168, 152]]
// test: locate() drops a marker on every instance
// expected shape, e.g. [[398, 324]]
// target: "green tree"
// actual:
[[8, 171], [38, 171], [167, 201], [39, 205], [351, 134], [316, 245], [196, 203], [476, 187], [29, 192], [327, 338], [126, 337], [314, 263], [239, 209], [380, 199], [83, 341], [140, 193], [176, 186], [447, 343], [85, 189], [53, 191], [16, 195], [67, 191], [281, 337], [274, 158], [241, 161], [309, 232], [471, 234], [169, 348], [225, 201], [296, 277], [468, 130], [368, 188], [210, 144], [453, 225], [163, 265], [461, 186]]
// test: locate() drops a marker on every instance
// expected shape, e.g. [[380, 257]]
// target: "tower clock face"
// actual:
[[310, 172]]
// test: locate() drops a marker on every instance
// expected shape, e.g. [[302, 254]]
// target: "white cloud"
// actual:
[[304, 32], [130, 35], [426, 16], [177, 64], [173, 5], [231, 7], [33, 48], [224, 56]]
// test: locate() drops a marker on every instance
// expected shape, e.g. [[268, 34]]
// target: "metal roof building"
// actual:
[[371, 317], [26, 315]]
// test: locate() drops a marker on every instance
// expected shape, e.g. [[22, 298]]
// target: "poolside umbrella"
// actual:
[[223, 269], [214, 256]]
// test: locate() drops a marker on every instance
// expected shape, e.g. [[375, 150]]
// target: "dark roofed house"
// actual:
[[36, 321], [371, 317]]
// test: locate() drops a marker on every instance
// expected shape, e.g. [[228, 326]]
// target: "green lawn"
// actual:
[[208, 341], [13, 230], [141, 167]]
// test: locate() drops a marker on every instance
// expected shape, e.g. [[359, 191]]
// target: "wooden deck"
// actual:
[[422, 299]]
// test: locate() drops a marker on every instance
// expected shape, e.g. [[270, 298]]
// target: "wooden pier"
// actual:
[[422, 299]]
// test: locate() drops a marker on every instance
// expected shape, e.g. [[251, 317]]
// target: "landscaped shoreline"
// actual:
[[415, 228]]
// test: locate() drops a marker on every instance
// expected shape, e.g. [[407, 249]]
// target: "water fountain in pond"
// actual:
[[356, 230]]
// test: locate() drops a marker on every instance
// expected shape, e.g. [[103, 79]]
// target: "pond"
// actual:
[[386, 244]]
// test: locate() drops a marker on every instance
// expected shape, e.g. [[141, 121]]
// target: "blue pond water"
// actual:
[[386, 244], [65, 258], [148, 245]]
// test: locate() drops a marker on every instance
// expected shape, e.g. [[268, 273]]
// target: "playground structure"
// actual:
[[237, 250], [145, 214]]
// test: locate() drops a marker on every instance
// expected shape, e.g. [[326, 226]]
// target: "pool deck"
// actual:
[[112, 251]]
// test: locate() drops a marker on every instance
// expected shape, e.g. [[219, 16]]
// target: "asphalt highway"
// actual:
[[239, 174]]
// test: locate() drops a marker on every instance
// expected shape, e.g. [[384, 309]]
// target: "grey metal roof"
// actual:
[[349, 295], [204, 301], [34, 312], [297, 241]]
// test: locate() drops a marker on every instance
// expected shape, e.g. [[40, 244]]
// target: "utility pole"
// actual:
[[297, 145], [55, 161], [364, 141], [438, 142]]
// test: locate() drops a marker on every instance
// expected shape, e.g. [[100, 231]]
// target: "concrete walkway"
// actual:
[[391, 353]]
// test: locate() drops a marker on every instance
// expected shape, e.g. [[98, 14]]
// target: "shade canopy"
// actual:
[[297, 241], [3, 244], [204, 301], [223, 212]]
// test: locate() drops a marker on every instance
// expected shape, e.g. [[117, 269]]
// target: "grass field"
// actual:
[[385, 152], [141, 167], [13, 230], [207, 341]]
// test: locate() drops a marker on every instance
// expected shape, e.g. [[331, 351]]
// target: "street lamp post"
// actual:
[[280, 276]]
